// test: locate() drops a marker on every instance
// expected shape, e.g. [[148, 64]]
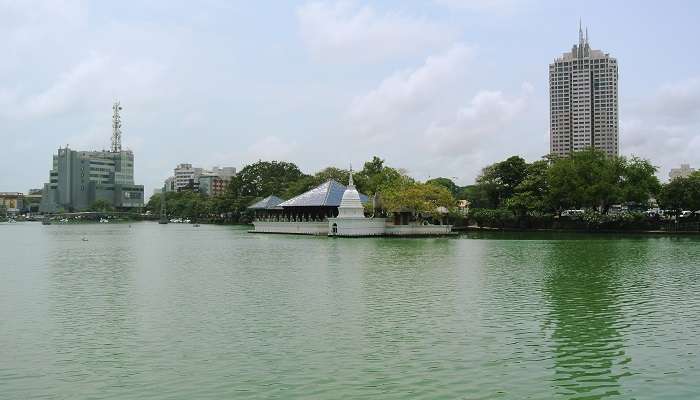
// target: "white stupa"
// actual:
[[351, 205]]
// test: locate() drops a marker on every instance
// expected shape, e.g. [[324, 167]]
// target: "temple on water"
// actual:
[[335, 210]]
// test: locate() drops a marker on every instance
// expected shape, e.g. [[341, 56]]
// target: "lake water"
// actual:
[[149, 311]]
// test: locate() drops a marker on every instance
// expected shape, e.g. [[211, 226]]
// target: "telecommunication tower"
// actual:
[[116, 128]]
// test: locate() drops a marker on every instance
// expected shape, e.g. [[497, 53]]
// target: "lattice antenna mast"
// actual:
[[116, 128]]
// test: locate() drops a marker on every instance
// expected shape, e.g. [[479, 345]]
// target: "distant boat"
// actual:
[[104, 220], [85, 239], [196, 225]]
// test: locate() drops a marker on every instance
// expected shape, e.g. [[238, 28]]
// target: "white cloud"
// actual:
[[344, 31], [497, 6], [677, 102], [483, 121], [666, 127], [88, 84], [270, 148], [406, 93]]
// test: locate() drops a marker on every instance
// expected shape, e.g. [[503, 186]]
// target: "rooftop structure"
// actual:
[[271, 202], [328, 194]]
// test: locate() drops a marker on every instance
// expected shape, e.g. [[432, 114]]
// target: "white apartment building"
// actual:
[[583, 97], [185, 175]]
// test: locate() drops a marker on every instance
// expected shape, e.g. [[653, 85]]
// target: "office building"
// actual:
[[80, 178]]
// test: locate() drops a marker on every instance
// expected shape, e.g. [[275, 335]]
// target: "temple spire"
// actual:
[[350, 182]]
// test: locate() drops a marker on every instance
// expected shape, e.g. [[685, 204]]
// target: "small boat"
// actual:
[[104, 220], [11, 221], [85, 239], [196, 225]]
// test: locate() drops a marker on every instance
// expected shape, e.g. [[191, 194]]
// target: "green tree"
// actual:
[[419, 198], [375, 175], [477, 196], [264, 178], [498, 181], [532, 194], [585, 179], [446, 183], [639, 181], [101, 206], [681, 194]]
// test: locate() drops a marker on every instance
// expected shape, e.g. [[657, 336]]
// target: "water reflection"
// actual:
[[583, 290]]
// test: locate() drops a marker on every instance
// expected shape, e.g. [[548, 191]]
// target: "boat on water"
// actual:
[[104, 220]]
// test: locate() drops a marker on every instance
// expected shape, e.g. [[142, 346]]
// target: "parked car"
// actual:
[[571, 213]]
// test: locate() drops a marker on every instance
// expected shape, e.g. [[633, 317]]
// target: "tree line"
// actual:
[[391, 188], [518, 192], [589, 182]]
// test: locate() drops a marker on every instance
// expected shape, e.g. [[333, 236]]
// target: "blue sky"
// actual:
[[438, 87]]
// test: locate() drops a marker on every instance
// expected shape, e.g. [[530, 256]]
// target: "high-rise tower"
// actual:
[[583, 106]]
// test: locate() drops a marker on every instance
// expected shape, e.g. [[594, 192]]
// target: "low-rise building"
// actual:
[[12, 203], [208, 182], [683, 172]]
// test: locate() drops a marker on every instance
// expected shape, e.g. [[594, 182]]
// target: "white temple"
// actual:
[[351, 220]]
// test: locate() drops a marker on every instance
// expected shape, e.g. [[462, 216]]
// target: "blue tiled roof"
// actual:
[[328, 194], [268, 203]]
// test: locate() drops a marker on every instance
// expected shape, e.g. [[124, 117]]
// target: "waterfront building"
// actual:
[[583, 101], [79, 178], [683, 172], [185, 176], [211, 185], [12, 203], [335, 210], [208, 182]]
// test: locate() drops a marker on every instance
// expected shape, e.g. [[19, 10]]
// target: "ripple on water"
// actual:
[[168, 312]]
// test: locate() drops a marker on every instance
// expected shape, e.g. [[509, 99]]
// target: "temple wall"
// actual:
[[357, 227], [418, 230], [303, 228]]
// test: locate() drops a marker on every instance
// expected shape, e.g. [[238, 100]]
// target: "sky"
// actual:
[[437, 87]]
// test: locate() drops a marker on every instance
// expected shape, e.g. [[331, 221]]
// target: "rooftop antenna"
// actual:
[[586, 35], [116, 128]]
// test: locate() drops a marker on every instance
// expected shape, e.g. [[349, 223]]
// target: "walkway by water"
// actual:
[[176, 312]]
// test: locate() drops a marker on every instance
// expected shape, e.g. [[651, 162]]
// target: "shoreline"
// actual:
[[603, 231]]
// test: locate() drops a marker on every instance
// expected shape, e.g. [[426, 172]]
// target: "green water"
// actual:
[[176, 312]]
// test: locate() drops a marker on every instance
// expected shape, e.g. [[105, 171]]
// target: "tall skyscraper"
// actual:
[[583, 106]]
